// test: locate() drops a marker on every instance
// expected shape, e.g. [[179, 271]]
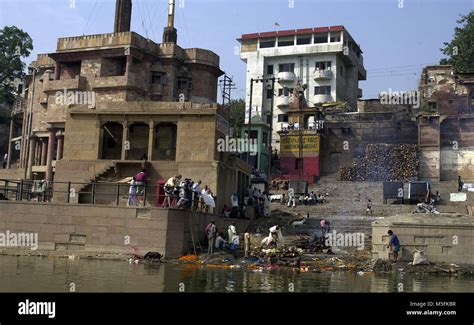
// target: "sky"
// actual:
[[397, 37]]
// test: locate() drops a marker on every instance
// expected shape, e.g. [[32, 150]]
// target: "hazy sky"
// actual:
[[396, 42]]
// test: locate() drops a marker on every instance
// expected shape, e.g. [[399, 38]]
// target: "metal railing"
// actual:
[[95, 193]]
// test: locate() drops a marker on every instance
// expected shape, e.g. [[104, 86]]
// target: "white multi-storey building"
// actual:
[[326, 59]]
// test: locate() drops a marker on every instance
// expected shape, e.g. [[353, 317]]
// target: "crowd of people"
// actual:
[[216, 241], [309, 199], [187, 194]]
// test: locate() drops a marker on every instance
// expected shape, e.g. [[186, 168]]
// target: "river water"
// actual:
[[44, 274]]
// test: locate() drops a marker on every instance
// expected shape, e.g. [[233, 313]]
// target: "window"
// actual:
[[432, 105], [322, 90], [286, 41], [270, 69], [158, 78], [286, 67], [283, 118], [264, 138], [269, 93], [285, 91], [266, 43], [335, 38], [301, 40], [269, 119], [184, 83], [320, 38], [323, 65], [253, 134], [19, 89]]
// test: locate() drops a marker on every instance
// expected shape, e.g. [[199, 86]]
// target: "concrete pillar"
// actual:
[[151, 139], [128, 66], [49, 158], [38, 153], [59, 150], [31, 157], [44, 151], [124, 140], [9, 152], [57, 70]]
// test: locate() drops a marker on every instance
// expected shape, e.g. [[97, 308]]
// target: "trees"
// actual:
[[14, 44], [460, 50], [237, 115]]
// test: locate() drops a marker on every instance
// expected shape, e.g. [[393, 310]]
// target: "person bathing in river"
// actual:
[[394, 246]]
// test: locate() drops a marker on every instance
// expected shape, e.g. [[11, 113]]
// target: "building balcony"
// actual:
[[286, 77], [19, 106], [77, 83], [283, 101], [322, 98], [322, 74]]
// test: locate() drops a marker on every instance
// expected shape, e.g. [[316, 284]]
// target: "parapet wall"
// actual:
[[102, 230], [443, 237]]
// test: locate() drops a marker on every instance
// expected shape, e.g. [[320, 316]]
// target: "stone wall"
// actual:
[[444, 238], [98, 230]]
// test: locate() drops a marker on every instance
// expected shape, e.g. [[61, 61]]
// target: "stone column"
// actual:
[[57, 70], [59, 150], [44, 151], [151, 139], [124, 139], [31, 157], [9, 152], [38, 153], [128, 66], [49, 158]]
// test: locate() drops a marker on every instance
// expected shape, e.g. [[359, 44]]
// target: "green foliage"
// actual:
[[14, 44], [460, 51], [237, 115]]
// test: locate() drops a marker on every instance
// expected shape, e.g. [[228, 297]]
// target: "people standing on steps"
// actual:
[[169, 189], [460, 184], [197, 194], [132, 191], [211, 231], [232, 232]]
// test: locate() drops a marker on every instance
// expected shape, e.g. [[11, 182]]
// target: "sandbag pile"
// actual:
[[384, 162]]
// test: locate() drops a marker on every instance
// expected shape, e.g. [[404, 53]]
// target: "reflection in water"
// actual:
[[34, 274]]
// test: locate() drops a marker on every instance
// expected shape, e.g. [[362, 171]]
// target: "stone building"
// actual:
[[446, 123], [101, 105]]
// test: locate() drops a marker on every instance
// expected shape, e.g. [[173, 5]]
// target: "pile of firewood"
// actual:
[[278, 184], [384, 162]]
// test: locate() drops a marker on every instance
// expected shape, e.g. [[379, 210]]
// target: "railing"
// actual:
[[19, 106], [95, 193]]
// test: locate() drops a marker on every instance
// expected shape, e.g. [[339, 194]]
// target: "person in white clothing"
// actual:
[[132, 191], [232, 232]]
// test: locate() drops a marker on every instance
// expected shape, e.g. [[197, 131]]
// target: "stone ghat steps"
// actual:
[[70, 242]]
